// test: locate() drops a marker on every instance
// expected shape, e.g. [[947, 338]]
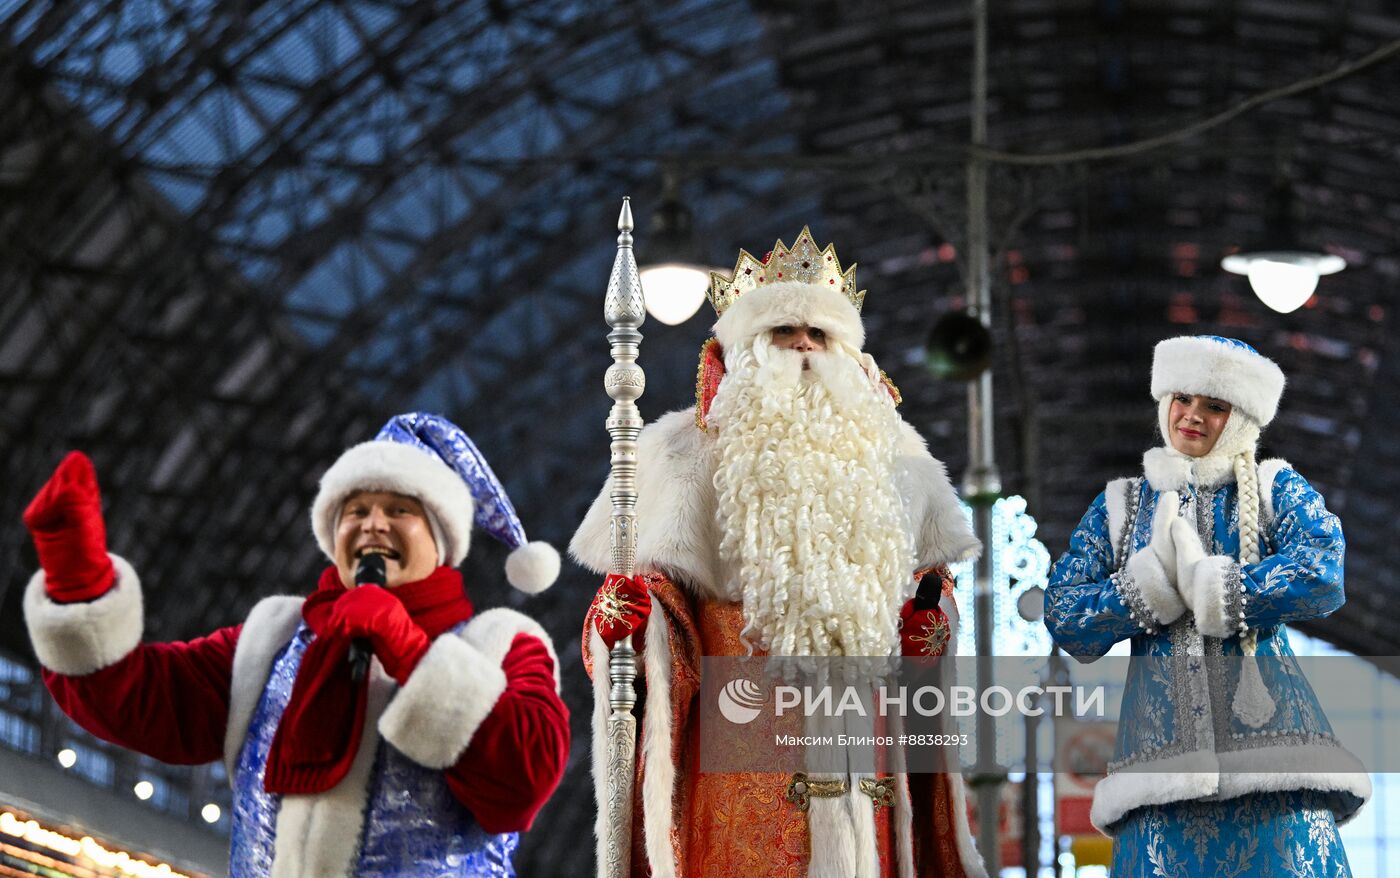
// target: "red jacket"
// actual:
[[483, 706]]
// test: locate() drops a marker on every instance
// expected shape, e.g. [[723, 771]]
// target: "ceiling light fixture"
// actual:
[[1283, 273], [674, 280]]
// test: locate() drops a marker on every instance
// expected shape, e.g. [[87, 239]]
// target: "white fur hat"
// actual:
[[1219, 367], [801, 285], [430, 458], [790, 303]]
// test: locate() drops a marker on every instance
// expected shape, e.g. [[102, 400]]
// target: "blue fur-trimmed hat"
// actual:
[[1219, 367], [433, 460]]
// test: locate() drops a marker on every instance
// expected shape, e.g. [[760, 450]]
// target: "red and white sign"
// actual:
[[1082, 753], [1010, 820]]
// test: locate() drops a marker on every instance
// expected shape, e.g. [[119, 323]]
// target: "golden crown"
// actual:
[[803, 262]]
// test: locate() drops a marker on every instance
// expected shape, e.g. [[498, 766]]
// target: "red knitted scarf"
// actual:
[[320, 730]]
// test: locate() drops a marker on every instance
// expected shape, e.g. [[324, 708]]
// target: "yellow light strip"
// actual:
[[30, 856], [87, 847]]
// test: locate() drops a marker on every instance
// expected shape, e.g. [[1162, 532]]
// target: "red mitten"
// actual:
[[374, 614], [621, 608], [923, 632], [65, 521]]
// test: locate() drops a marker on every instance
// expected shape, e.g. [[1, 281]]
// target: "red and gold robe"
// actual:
[[689, 824], [731, 825]]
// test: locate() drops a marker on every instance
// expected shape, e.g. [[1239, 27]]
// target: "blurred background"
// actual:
[[236, 237]]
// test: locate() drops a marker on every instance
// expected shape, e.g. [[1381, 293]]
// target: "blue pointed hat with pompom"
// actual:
[[430, 458]]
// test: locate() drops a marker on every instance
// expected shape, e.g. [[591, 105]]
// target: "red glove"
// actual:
[[65, 520], [923, 632], [372, 613], [621, 608]]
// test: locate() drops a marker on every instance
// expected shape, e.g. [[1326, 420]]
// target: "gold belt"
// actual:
[[803, 788], [880, 790]]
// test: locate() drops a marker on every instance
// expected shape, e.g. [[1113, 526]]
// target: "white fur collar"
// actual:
[[676, 530], [1167, 469], [676, 525]]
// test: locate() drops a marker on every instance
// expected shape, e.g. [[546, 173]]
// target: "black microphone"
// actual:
[[930, 591], [370, 571]]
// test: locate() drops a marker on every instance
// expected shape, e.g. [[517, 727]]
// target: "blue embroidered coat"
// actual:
[[411, 823], [1178, 737]]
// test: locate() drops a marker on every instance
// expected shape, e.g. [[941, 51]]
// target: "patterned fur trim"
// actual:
[[942, 532], [904, 827], [316, 834], [659, 763], [78, 639], [834, 839], [971, 857], [1275, 769]]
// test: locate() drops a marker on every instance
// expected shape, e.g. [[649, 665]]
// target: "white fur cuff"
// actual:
[[432, 719], [1158, 595], [1211, 582], [78, 639]]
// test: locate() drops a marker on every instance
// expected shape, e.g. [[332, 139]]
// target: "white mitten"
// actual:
[[1201, 579], [1162, 544], [1153, 568], [1189, 553]]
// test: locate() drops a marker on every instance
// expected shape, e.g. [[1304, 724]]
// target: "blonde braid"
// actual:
[[1247, 478], [1247, 481], [1252, 702]]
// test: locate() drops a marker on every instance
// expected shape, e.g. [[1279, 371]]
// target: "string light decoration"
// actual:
[[86, 853], [1020, 572]]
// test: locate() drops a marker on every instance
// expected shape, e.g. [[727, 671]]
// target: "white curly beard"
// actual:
[[811, 518]]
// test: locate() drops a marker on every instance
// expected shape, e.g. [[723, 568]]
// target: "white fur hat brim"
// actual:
[[1211, 367], [402, 469], [790, 303]]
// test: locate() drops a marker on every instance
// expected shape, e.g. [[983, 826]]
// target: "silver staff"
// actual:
[[624, 311]]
